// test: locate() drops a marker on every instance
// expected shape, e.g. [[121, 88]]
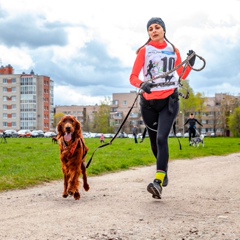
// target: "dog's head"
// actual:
[[201, 136], [69, 127]]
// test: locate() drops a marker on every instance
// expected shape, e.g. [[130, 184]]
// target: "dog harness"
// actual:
[[72, 147]]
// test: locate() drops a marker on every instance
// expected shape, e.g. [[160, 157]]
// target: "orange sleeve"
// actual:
[[137, 67]]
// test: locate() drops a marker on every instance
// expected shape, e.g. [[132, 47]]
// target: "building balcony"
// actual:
[[134, 115], [114, 104], [116, 115]]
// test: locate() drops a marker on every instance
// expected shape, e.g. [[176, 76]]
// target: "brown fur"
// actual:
[[72, 156]]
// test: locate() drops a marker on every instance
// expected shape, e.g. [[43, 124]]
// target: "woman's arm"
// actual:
[[137, 67]]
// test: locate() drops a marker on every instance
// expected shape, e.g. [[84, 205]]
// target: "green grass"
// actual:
[[31, 161]]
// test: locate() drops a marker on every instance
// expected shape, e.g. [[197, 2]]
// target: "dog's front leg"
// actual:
[[65, 193], [73, 180], [84, 173]]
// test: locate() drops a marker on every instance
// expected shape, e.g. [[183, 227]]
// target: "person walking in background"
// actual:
[[192, 127], [135, 134], [3, 138], [159, 104], [102, 138]]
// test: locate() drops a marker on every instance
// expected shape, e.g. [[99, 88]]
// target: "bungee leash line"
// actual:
[[185, 62]]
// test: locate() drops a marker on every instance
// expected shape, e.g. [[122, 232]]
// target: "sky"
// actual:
[[88, 48]]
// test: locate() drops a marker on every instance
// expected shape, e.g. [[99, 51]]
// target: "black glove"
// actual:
[[146, 87], [192, 60]]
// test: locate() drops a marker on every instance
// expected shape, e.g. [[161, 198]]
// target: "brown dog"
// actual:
[[54, 140], [73, 151]]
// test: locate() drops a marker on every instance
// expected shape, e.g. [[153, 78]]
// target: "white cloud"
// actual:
[[16, 57], [69, 95], [93, 46]]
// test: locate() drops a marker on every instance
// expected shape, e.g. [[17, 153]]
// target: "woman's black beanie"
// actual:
[[157, 21]]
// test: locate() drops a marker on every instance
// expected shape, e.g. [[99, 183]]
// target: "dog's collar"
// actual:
[[71, 147]]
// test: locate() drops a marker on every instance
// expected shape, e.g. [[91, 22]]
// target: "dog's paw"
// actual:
[[76, 195], [65, 195], [86, 186], [70, 193]]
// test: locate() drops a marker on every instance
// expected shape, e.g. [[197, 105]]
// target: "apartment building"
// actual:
[[84, 114], [26, 100], [213, 116], [121, 104], [119, 108]]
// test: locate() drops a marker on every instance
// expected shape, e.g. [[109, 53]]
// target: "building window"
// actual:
[[14, 98], [115, 102], [14, 106], [5, 81], [5, 116], [14, 115], [14, 124], [5, 98], [125, 102], [14, 80], [5, 89], [13, 89], [5, 107]]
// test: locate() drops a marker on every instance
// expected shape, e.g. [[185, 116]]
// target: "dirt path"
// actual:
[[202, 201]]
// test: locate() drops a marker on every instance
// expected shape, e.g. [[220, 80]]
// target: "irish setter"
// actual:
[[72, 153]]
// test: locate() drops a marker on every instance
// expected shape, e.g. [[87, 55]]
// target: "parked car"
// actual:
[[122, 135], [24, 133], [11, 133], [97, 135], [50, 134], [37, 133], [186, 135], [86, 135], [92, 135], [130, 135], [108, 135], [140, 135], [171, 135]]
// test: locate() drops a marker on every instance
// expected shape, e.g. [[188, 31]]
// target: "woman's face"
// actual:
[[156, 33]]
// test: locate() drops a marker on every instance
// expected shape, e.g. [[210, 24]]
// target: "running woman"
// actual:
[[159, 104]]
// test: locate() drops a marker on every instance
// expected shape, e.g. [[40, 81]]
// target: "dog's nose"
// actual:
[[68, 129]]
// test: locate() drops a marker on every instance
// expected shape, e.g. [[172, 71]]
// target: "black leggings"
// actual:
[[192, 133], [159, 120]]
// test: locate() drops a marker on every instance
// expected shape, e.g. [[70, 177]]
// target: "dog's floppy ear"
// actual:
[[59, 128], [78, 129]]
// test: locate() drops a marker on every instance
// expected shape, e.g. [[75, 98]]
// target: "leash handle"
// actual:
[[203, 66]]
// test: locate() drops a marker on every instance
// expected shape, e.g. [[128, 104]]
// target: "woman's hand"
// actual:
[[146, 87], [192, 60]]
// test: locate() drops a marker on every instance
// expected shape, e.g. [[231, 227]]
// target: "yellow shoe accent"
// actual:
[[160, 176]]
